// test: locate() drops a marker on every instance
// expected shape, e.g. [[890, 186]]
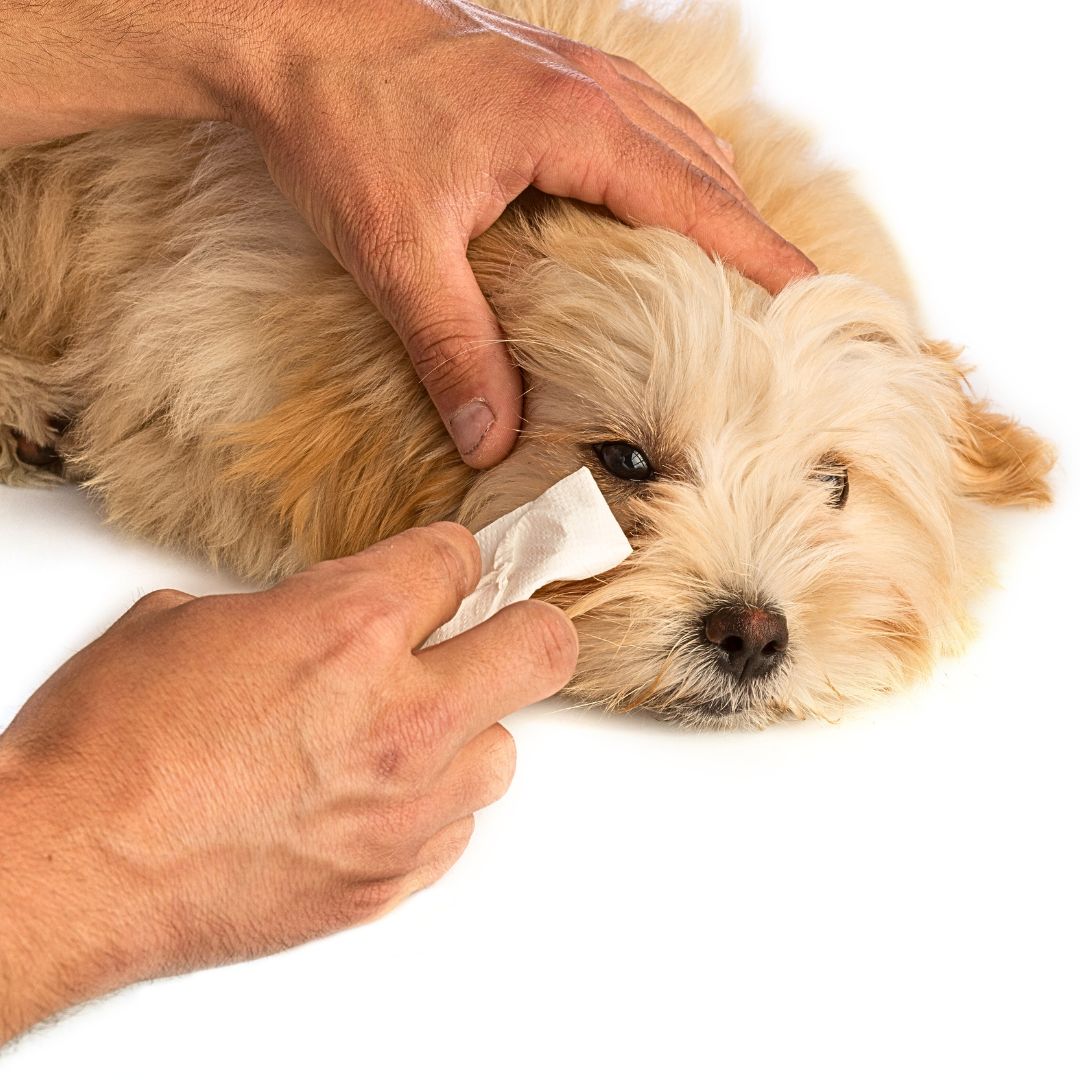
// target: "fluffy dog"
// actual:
[[802, 477]]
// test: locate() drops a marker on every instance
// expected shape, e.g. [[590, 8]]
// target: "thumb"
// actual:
[[454, 340]]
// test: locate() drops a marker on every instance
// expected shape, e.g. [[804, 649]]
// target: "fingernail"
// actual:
[[470, 424]]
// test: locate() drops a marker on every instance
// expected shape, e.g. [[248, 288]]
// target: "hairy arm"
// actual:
[[74, 65], [71, 927]]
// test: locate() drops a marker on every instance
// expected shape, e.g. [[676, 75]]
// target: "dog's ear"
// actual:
[[1001, 462], [998, 461]]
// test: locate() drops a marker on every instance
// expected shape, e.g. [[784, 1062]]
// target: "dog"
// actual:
[[804, 479]]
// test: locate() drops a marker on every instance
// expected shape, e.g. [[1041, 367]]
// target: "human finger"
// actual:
[[154, 603], [521, 655], [654, 113], [645, 182], [478, 775], [408, 585], [686, 120], [439, 854], [668, 105], [433, 301]]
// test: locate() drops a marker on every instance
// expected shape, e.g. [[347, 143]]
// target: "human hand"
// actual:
[[403, 128], [219, 778]]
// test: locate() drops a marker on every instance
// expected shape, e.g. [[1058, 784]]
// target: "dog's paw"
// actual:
[[25, 463]]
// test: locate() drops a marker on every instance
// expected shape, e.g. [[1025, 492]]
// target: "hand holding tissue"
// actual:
[[567, 534]]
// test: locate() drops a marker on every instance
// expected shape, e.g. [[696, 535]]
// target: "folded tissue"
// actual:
[[567, 534]]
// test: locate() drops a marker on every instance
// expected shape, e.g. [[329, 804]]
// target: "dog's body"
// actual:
[[231, 392]]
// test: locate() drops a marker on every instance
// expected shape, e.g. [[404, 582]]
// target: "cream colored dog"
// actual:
[[802, 477]]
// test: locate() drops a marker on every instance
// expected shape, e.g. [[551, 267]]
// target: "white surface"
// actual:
[[566, 534], [894, 896]]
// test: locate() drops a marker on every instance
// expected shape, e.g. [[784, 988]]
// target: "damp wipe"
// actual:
[[567, 534]]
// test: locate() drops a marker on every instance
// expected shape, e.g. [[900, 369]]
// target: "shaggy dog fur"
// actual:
[[226, 389]]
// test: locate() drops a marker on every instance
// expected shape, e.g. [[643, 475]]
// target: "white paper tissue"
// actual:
[[567, 534]]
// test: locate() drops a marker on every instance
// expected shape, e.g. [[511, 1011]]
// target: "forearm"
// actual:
[[68, 66], [68, 931], [73, 65]]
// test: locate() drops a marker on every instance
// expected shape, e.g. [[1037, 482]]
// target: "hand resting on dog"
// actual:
[[401, 129]]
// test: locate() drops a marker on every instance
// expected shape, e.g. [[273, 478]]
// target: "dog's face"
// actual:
[[798, 477]]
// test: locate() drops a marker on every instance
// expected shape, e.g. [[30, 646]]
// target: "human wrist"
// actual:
[[276, 55], [72, 926], [77, 65]]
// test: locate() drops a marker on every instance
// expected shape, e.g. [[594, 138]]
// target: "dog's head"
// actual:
[[800, 476]]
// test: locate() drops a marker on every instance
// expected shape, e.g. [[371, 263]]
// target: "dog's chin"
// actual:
[[719, 711], [707, 715], [707, 699]]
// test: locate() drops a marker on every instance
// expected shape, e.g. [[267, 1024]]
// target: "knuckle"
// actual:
[[552, 639], [687, 119], [442, 355], [457, 551], [456, 841], [573, 49], [160, 600], [503, 762], [388, 251], [373, 623], [632, 68], [362, 840], [435, 717], [453, 534], [388, 763], [401, 758], [490, 777], [588, 99], [392, 763], [708, 190], [593, 61], [369, 899], [468, 827], [503, 747], [394, 824], [706, 197], [448, 846]]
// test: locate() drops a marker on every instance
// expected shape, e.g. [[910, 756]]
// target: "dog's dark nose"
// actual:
[[750, 641]]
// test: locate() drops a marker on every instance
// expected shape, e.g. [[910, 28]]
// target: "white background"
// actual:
[[895, 895]]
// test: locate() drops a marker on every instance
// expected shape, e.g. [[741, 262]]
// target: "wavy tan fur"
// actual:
[[232, 394]]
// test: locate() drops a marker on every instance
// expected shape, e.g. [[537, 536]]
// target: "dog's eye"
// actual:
[[624, 461], [834, 472]]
